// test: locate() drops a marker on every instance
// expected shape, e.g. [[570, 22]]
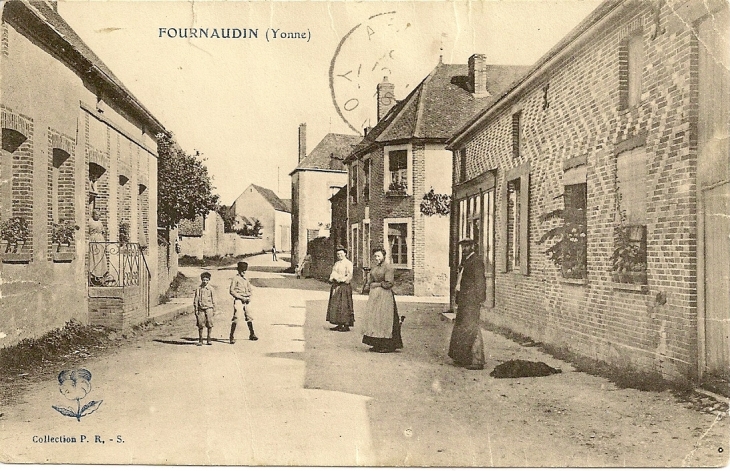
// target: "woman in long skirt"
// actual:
[[340, 310], [98, 266], [381, 328]]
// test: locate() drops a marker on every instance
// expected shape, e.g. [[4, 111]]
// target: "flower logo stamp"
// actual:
[[75, 385]]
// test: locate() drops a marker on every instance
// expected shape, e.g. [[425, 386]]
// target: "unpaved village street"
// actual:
[[304, 395]]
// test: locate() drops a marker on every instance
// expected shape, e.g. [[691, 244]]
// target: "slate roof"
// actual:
[[54, 32], [334, 145], [439, 105], [273, 200]]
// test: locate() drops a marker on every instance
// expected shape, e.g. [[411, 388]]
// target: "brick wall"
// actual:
[[382, 206], [583, 114], [63, 149]]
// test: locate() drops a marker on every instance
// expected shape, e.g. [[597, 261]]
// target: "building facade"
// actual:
[[317, 177], [402, 164], [74, 140], [597, 189], [274, 214]]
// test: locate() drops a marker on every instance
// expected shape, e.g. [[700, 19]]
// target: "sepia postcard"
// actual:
[[380, 233]]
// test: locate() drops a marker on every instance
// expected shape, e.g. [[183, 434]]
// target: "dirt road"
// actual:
[[305, 395]]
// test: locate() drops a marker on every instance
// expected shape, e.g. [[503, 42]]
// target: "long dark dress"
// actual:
[[381, 326], [466, 346], [340, 308]]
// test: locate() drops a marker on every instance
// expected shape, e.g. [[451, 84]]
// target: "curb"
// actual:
[[169, 311]]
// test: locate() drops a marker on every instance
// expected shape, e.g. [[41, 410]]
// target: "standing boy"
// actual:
[[241, 292], [204, 307]]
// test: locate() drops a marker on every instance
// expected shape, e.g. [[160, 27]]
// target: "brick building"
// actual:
[[274, 213], [338, 230], [317, 177], [402, 158], [597, 188], [73, 139]]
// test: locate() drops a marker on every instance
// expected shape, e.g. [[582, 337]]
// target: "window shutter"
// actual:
[[524, 221]]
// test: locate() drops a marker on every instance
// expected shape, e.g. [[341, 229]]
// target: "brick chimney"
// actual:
[[302, 141], [386, 97], [478, 75]]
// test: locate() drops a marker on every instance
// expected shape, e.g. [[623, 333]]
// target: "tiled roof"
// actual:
[[80, 55], [341, 194], [334, 145], [287, 204], [273, 200], [439, 105]]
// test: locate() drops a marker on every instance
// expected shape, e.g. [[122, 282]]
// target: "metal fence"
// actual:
[[114, 264]]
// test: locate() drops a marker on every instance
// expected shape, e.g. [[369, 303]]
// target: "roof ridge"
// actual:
[[418, 127]]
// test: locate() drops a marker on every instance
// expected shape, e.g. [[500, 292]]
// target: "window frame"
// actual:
[[387, 177], [632, 148], [354, 235], [521, 173], [353, 178], [409, 244], [366, 229]]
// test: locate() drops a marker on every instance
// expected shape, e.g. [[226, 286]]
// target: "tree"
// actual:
[[184, 188], [228, 216]]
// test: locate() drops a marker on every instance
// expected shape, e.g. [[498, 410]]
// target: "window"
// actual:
[[353, 182], [398, 171], [366, 183], [516, 129], [513, 225], [629, 255], [631, 65], [514, 207], [366, 243], [354, 244], [574, 244], [398, 240], [462, 165], [312, 234], [61, 187], [636, 64]]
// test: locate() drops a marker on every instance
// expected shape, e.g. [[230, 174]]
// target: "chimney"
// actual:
[[386, 97], [302, 141], [478, 75]]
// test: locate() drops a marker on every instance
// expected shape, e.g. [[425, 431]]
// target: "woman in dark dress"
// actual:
[[340, 308], [381, 327]]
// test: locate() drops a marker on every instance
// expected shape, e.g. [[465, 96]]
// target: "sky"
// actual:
[[239, 101]]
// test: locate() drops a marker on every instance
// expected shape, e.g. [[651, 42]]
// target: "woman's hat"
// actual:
[[242, 266], [340, 247]]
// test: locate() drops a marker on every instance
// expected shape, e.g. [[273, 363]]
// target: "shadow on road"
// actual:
[[186, 341], [255, 268], [291, 282], [299, 356]]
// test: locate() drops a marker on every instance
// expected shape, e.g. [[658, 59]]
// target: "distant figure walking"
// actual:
[[381, 326], [467, 346], [273, 253], [340, 308]]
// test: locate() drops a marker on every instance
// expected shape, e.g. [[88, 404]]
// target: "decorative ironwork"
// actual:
[[115, 264]]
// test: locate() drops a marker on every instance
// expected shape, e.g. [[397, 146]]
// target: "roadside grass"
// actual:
[[180, 287]]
